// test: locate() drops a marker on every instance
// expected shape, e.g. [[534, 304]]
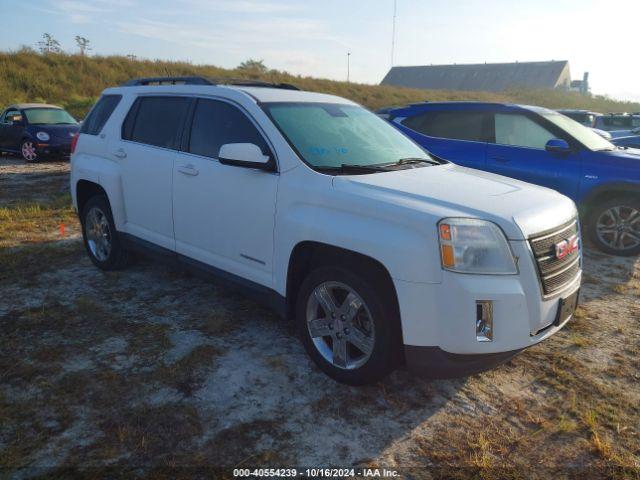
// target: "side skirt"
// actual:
[[261, 294]]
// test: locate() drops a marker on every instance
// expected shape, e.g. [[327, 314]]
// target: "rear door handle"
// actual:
[[501, 159], [188, 170], [120, 153]]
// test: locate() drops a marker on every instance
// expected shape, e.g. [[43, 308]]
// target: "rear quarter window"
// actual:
[[99, 114]]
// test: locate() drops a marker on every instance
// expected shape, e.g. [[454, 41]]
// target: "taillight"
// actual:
[[74, 142]]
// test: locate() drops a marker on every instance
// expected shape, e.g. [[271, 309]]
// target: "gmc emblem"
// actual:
[[567, 247]]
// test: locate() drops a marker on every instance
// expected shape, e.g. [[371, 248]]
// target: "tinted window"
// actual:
[[618, 121], [216, 123], [454, 125], [11, 115], [520, 131], [157, 121], [99, 114]]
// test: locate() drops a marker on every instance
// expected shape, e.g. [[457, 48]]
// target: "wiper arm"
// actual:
[[410, 160], [353, 168]]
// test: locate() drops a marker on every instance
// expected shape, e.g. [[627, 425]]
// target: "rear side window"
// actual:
[[520, 131], [156, 121], [618, 121], [100, 113], [216, 123], [470, 126]]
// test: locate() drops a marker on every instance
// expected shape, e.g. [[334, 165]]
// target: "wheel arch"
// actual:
[[606, 192], [85, 189], [307, 255]]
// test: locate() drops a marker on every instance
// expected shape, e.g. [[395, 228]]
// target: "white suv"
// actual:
[[379, 252]]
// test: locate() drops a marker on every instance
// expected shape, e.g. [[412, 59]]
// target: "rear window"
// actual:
[[156, 121], [99, 114], [470, 126]]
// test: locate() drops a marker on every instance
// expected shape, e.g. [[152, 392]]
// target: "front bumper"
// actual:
[[439, 319], [53, 149], [433, 362]]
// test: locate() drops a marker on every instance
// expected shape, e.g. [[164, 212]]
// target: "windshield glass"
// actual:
[[584, 135], [49, 116], [331, 135]]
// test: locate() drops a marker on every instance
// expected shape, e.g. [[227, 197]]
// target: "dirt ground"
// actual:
[[154, 370]]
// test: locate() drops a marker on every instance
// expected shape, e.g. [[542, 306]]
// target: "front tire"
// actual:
[[349, 326], [28, 151], [101, 240], [614, 226]]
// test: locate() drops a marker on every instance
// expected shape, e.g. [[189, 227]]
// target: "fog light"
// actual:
[[484, 320]]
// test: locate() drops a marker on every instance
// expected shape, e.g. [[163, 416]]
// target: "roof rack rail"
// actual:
[[239, 82], [194, 80]]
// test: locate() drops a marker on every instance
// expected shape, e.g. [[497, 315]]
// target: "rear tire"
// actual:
[[614, 226], [101, 239], [352, 334]]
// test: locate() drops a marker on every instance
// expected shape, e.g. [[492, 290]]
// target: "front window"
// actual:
[[329, 135], [584, 135], [49, 116]]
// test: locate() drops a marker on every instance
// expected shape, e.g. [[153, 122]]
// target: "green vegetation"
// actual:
[[75, 81]]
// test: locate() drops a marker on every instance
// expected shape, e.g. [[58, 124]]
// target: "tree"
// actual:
[[253, 66], [48, 44], [83, 44]]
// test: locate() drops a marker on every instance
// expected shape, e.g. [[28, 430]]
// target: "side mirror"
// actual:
[[557, 145], [246, 155]]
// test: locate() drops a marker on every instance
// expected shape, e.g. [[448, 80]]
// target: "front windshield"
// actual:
[[329, 135], [49, 116], [584, 135]]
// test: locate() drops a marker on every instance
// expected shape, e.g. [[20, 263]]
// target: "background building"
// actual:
[[487, 77]]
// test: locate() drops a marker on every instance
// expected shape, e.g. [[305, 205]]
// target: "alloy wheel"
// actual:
[[340, 325], [98, 234], [29, 151], [619, 227]]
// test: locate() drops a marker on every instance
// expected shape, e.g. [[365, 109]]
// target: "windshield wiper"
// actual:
[[410, 160], [353, 168]]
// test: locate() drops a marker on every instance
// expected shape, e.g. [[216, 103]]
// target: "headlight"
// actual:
[[44, 136], [468, 245]]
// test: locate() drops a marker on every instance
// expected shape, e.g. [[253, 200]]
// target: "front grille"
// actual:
[[555, 273]]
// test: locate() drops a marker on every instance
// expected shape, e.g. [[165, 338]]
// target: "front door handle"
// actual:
[[120, 153], [501, 159], [188, 170]]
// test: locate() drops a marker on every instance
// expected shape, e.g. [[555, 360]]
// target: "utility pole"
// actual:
[[348, 65], [393, 31]]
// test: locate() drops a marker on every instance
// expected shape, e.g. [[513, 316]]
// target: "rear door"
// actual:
[[454, 135], [224, 215], [151, 135], [518, 150]]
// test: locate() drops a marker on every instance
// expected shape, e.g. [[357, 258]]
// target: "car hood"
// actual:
[[519, 208], [63, 132]]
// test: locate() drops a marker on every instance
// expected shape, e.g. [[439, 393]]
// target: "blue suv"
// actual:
[[539, 146]]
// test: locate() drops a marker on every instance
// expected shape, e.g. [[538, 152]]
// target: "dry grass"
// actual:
[[75, 82], [29, 222]]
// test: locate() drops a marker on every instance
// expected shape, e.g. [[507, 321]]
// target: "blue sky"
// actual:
[[313, 37]]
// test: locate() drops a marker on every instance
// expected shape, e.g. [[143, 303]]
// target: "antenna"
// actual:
[[393, 31]]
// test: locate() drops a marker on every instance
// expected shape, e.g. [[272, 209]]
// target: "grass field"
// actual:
[[75, 82]]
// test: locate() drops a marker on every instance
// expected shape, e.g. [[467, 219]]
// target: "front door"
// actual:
[[11, 130], [224, 215], [518, 151]]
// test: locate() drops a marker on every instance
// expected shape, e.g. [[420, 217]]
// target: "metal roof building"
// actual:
[[487, 77]]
